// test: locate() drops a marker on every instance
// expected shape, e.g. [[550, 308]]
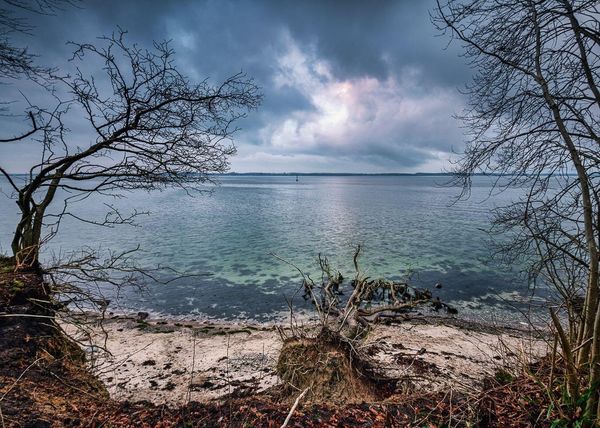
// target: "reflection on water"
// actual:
[[404, 222]]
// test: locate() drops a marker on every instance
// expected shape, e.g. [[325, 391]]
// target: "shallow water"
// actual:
[[227, 237]]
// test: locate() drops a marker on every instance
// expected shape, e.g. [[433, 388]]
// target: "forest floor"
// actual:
[[171, 373]]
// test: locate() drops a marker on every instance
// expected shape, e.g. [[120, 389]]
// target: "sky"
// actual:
[[349, 86]]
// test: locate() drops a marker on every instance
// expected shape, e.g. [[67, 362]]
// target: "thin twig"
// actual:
[[19, 378], [193, 364], [293, 409]]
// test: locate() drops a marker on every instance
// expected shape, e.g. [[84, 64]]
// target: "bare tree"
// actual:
[[150, 127], [533, 118]]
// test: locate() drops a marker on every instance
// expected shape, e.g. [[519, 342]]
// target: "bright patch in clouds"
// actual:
[[391, 125]]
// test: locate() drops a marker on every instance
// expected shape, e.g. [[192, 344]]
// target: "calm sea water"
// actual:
[[227, 237]]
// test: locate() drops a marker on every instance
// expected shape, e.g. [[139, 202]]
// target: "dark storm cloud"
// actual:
[[372, 39], [333, 73]]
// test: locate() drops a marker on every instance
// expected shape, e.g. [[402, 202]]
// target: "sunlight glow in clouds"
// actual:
[[396, 124]]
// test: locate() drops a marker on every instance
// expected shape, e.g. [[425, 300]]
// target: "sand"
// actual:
[[173, 362]]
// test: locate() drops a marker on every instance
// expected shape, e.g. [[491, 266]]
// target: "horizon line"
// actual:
[[328, 173]]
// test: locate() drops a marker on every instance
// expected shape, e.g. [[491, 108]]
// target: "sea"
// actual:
[[232, 252]]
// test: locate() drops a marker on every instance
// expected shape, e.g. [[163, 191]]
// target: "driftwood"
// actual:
[[332, 364], [368, 301]]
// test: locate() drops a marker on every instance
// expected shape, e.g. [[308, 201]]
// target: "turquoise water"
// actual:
[[227, 237]]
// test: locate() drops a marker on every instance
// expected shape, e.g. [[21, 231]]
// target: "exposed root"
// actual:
[[331, 370]]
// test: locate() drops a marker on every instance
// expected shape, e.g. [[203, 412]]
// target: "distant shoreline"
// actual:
[[337, 174], [361, 174]]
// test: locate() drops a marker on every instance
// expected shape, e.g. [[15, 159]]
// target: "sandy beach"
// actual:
[[173, 362]]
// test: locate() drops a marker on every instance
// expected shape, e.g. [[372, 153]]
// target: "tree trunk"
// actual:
[[28, 235], [26, 252], [26, 242]]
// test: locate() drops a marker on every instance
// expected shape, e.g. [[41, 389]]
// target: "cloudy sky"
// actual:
[[349, 86]]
